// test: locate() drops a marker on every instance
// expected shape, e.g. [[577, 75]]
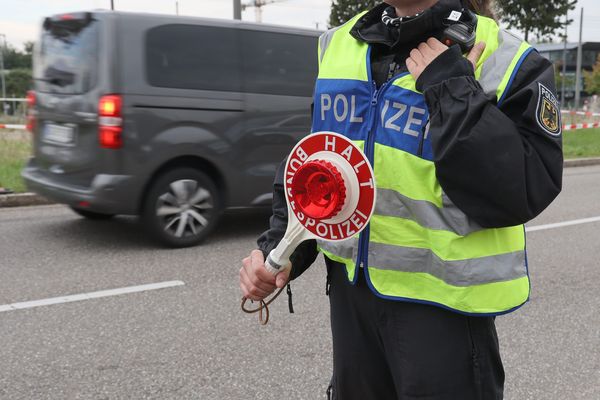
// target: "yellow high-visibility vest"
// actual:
[[419, 246]]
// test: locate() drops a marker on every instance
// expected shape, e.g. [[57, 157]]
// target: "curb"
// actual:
[[23, 199], [581, 162], [32, 199]]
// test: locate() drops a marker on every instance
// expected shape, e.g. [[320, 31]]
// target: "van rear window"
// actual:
[[278, 63], [67, 61], [193, 57]]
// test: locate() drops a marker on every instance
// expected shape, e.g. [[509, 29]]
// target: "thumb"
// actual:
[[282, 278], [475, 53]]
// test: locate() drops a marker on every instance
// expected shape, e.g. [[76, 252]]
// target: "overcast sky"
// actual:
[[20, 19]]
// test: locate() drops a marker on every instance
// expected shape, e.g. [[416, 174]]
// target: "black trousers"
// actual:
[[392, 350]]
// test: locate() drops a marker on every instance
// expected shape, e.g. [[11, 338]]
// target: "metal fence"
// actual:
[[13, 107]]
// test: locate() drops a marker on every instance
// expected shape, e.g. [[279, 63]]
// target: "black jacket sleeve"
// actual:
[[306, 253], [497, 163]]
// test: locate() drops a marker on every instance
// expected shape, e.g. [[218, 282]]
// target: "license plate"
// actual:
[[59, 134]]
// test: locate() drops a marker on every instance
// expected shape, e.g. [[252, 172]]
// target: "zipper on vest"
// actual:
[[422, 138], [363, 239]]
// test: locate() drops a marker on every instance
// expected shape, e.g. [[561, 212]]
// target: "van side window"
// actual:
[[193, 57], [275, 63]]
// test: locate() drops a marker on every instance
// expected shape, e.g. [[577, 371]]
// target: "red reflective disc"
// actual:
[[329, 186], [318, 189]]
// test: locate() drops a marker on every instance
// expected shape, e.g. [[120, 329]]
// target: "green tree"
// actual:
[[540, 17], [28, 46], [592, 79], [18, 82], [14, 58], [343, 10]]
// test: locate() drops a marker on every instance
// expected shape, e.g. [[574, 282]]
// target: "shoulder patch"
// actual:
[[548, 112]]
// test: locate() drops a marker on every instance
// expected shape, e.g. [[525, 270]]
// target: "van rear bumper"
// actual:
[[109, 194]]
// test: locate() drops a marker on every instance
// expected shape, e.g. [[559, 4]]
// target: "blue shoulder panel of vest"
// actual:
[[340, 106], [400, 120]]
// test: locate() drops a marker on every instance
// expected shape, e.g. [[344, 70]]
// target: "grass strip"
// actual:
[[15, 149], [581, 143]]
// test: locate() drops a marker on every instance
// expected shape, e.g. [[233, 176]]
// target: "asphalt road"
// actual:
[[192, 341]]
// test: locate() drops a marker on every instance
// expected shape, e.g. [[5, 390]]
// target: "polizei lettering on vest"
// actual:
[[340, 106], [414, 122]]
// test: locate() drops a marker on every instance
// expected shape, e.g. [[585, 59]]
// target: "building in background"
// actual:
[[554, 53]]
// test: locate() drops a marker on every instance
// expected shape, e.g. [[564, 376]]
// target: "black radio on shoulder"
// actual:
[[460, 29]]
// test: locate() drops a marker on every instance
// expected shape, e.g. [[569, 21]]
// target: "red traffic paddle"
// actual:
[[330, 193]]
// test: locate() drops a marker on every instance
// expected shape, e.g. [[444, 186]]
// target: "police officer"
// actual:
[[460, 121]]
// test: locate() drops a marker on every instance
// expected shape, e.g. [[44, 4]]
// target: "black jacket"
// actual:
[[496, 162]]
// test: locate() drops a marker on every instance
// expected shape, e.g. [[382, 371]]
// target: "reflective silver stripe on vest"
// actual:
[[325, 40], [461, 273], [391, 203], [344, 248], [474, 271], [495, 67]]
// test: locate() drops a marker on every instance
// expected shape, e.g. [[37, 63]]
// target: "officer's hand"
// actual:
[[428, 51], [255, 281]]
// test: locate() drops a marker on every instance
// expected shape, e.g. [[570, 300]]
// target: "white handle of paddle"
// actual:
[[279, 258], [275, 265]]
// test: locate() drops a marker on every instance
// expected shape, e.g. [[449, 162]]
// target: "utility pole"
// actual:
[[258, 5], [176, 8], [2, 70], [564, 61], [579, 61], [237, 9], [112, 4]]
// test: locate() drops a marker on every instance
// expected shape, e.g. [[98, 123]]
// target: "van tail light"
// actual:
[[110, 121], [31, 120]]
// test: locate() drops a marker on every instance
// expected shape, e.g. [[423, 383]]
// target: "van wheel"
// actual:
[[91, 214], [182, 207]]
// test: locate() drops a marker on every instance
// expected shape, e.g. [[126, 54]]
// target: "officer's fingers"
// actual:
[[258, 269], [250, 278], [282, 278], [436, 45], [246, 262], [428, 53], [245, 291], [244, 285], [411, 65], [416, 56], [257, 293], [256, 256], [258, 266], [248, 294], [476, 53], [253, 288]]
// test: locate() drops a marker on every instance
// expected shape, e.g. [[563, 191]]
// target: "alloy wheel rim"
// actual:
[[185, 208]]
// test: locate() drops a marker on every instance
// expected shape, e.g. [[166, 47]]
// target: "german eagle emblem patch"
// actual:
[[548, 112]]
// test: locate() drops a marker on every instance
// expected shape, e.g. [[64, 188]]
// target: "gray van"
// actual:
[[170, 118]]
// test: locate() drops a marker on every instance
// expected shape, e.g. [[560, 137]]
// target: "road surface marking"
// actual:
[[89, 296], [561, 224]]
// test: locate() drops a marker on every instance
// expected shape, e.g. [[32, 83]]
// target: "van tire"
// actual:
[[182, 207], [92, 215]]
